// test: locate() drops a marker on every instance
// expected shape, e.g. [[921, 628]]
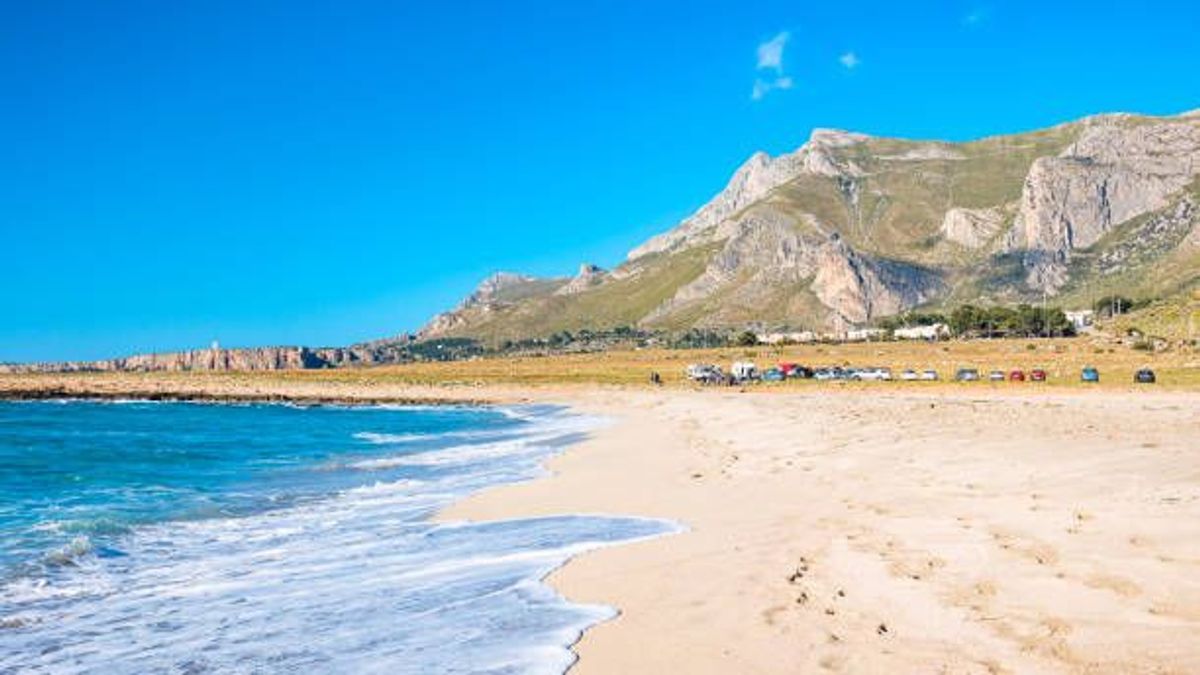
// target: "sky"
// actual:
[[322, 173]]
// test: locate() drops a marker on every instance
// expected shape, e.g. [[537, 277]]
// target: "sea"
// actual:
[[179, 537]]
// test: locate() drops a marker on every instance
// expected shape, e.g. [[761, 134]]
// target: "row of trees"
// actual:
[[583, 337], [965, 321], [1021, 321]]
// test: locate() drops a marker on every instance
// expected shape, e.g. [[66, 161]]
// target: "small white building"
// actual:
[[1081, 318], [800, 337], [935, 331], [865, 334]]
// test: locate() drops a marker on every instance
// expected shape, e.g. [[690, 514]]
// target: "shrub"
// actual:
[[745, 339]]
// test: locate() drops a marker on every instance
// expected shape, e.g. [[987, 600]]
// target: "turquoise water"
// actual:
[[141, 536]]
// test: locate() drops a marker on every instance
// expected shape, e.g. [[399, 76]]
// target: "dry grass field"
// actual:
[[1061, 358]]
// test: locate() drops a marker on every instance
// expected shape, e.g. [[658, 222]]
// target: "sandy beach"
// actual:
[[892, 532], [860, 529]]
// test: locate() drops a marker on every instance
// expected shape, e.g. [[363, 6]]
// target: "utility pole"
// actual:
[[1045, 322]]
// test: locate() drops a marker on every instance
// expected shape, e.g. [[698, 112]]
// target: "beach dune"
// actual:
[[907, 532]]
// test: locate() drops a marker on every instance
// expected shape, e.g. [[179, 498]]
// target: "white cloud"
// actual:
[[770, 53], [850, 60], [770, 57], [763, 87]]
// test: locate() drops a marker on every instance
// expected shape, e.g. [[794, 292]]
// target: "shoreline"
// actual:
[[984, 550], [54, 394]]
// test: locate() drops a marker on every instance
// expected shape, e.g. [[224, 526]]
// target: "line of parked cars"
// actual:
[[745, 371]]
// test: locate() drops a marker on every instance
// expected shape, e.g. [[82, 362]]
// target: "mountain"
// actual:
[[850, 228]]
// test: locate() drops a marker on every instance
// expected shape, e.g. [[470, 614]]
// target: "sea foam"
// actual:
[[357, 580]]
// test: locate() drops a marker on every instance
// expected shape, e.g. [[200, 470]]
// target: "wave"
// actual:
[[357, 580], [70, 554], [399, 439]]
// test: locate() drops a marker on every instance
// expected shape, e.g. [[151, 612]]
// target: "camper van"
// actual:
[[743, 371]]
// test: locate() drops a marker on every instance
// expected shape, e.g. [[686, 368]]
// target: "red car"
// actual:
[[1037, 375], [1016, 376]]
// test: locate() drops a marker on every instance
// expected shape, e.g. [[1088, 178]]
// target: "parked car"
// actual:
[[1144, 376], [966, 375], [1016, 376], [1089, 374], [801, 372], [825, 374], [872, 374], [909, 375], [929, 375], [773, 375], [1037, 375], [996, 376], [704, 373]]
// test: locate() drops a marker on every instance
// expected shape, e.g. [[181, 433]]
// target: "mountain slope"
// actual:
[[850, 228]]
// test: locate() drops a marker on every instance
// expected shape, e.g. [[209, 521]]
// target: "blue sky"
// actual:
[[322, 173]]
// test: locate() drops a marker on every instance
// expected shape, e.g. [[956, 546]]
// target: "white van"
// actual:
[[743, 370]]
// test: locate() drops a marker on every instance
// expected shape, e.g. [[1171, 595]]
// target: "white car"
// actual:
[[909, 375], [872, 374], [929, 375]]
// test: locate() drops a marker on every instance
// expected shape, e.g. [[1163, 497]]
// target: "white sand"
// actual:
[[886, 533]]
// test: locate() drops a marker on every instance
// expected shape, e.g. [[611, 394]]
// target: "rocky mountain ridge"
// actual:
[[849, 228]]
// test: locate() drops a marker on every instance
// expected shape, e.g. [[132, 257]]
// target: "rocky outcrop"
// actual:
[[972, 228], [1159, 234], [494, 292], [860, 288], [493, 288], [756, 178], [589, 276], [766, 254], [1114, 172]]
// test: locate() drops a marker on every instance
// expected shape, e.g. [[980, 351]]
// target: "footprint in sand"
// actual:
[[1030, 549], [1110, 582]]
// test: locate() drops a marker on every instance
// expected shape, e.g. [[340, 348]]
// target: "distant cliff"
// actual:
[[255, 358]]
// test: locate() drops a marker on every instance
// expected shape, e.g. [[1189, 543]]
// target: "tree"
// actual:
[[966, 319], [1112, 305], [745, 339]]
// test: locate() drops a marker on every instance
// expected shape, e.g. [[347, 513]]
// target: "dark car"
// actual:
[[966, 375], [1016, 376], [801, 373], [1144, 376], [1037, 375], [1089, 374]]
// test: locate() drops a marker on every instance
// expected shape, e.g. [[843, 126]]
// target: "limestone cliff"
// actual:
[[1114, 172], [220, 360]]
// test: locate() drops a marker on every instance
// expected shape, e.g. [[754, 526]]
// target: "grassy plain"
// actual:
[[471, 380]]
